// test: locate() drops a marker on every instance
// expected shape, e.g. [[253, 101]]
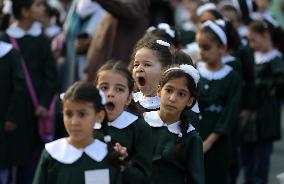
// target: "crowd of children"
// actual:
[[198, 102]]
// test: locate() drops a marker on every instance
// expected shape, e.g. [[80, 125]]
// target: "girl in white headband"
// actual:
[[178, 156], [219, 96]]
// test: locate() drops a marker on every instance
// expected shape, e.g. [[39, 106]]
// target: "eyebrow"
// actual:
[[183, 90]]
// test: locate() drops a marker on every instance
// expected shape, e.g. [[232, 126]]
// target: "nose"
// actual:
[[110, 92], [140, 68], [75, 120], [173, 97]]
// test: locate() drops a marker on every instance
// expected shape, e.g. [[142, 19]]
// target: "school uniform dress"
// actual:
[[219, 103], [12, 86], [265, 125], [35, 49], [181, 166], [148, 104], [62, 163], [136, 135]]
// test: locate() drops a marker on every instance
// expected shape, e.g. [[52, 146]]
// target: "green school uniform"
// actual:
[[147, 104], [35, 49], [12, 88], [269, 80], [62, 163], [134, 134], [219, 103], [175, 166]]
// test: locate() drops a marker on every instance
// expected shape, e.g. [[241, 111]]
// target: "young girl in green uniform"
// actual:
[[263, 127], [149, 57], [12, 82], [79, 158], [178, 156], [125, 127], [219, 97]]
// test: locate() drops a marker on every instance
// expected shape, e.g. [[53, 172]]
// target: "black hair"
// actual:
[[216, 14], [276, 32], [150, 42], [19, 5], [162, 34], [231, 8], [180, 57], [246, 11], [86, 92], [116, 66], [171, 74]]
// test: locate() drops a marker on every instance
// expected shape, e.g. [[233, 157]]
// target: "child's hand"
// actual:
[[206, 146], [245, 116], [121, 150], [41, 112], [9, 126]]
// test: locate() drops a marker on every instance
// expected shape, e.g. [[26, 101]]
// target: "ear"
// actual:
[[159, 89], [190, 101], [100, 116], [223, 49]]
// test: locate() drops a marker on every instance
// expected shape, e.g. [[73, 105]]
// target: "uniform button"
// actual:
[[206, 86], [200, 117]]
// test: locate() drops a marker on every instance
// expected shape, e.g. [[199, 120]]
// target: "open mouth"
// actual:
[[110, 106], [141, 81]]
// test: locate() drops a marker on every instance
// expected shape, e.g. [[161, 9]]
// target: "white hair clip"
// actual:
[[221, 22], [188, 69], [62, 96], [103, 97], [163, 43], [152, 28], [167, 29], [107, 138]]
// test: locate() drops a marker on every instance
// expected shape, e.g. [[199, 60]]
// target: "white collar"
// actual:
[[228, 59], [261, 58], [4, 48], [216, 75], [242, 30], [146, 102], [85, 8], [154, 120], [123, 120], [52, 30], [16, 32], [65, 153]]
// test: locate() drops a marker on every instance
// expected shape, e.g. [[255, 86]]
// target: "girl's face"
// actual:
[[175, 97], [210, 50], [256, 40], [146, 71], [79, 119], [207, 16], [36, 11], [115, 87]]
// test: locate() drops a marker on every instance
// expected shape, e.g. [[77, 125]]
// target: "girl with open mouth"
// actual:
[[125, 127], [149, 58]]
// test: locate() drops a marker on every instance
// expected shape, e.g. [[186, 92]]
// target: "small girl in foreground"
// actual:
[[178, 152], [79, 158]]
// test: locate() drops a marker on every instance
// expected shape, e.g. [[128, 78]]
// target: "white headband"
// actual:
[[167, 29], [270, 19], [216, 29], [188, 69], [163, 43], [204, 8]]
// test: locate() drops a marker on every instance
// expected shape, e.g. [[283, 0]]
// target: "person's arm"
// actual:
[[195, 161], [141, 161], [126, 9]]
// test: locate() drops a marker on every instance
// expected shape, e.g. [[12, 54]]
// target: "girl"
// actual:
[[78, 158], [219, 96], [34, 48], [149, 58], [13, 86], [263, 127], [178, 154], [125, 127]]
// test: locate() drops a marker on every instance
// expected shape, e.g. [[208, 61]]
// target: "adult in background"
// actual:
[[119, 31]]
